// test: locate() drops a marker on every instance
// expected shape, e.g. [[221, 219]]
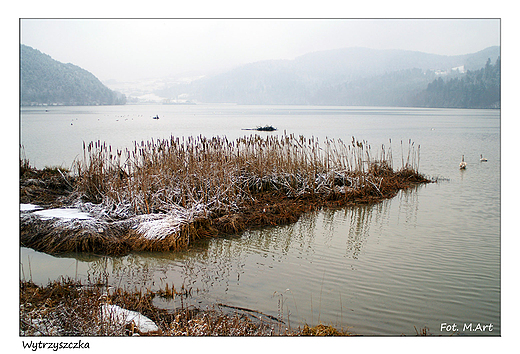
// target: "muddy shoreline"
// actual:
[[70, 308]]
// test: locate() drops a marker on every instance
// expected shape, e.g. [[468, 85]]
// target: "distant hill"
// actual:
[[475, 89], [47, 81], [349, 76]]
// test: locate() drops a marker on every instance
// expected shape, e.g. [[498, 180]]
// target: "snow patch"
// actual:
[[121, 316], [158, 227], [29, 207], [62, 213]]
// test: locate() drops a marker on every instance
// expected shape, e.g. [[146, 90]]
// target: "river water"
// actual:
[[429, 256]]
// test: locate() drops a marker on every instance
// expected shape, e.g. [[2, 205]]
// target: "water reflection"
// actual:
[[315, 237], [409, 205]]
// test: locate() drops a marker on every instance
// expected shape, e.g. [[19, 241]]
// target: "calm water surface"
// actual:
[[428, 256]]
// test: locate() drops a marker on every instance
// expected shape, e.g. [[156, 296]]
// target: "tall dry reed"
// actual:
[[216, 175]]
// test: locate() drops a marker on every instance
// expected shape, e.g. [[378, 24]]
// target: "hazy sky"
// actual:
[[128, 49]]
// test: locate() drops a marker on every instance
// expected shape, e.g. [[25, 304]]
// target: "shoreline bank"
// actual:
[[70, 308]]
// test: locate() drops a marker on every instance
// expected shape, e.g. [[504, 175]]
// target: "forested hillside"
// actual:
[[44, 80], [476, 89], [391, 89]]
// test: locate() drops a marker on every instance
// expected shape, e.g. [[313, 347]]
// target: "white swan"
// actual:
[[482, 159], [463, 164]]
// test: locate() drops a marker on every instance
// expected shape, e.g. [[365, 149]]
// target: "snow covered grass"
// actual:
[[63, 230], [70, 308]]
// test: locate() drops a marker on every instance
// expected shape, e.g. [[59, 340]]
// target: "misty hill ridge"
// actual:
[[366, 61], [48, 81], [349, 76]]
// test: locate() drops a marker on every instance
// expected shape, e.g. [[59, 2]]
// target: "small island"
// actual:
[[162, 195]]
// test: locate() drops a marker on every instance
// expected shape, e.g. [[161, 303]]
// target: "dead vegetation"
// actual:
[[48, 187], [162, 195], [70, 308]]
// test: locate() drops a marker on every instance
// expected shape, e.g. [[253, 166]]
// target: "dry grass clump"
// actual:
[[213, 323], [149, 232], [69, 308], [63, 308], [47, 187], [56, 236], [322, 330]]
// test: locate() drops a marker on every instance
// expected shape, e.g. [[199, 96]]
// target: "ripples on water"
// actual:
[[427, 256], [377, 268]]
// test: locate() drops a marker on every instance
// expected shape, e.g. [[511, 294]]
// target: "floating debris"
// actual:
[[266, 128]]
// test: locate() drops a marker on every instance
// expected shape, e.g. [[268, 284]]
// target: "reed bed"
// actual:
[[162, 194], [218, 176]]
